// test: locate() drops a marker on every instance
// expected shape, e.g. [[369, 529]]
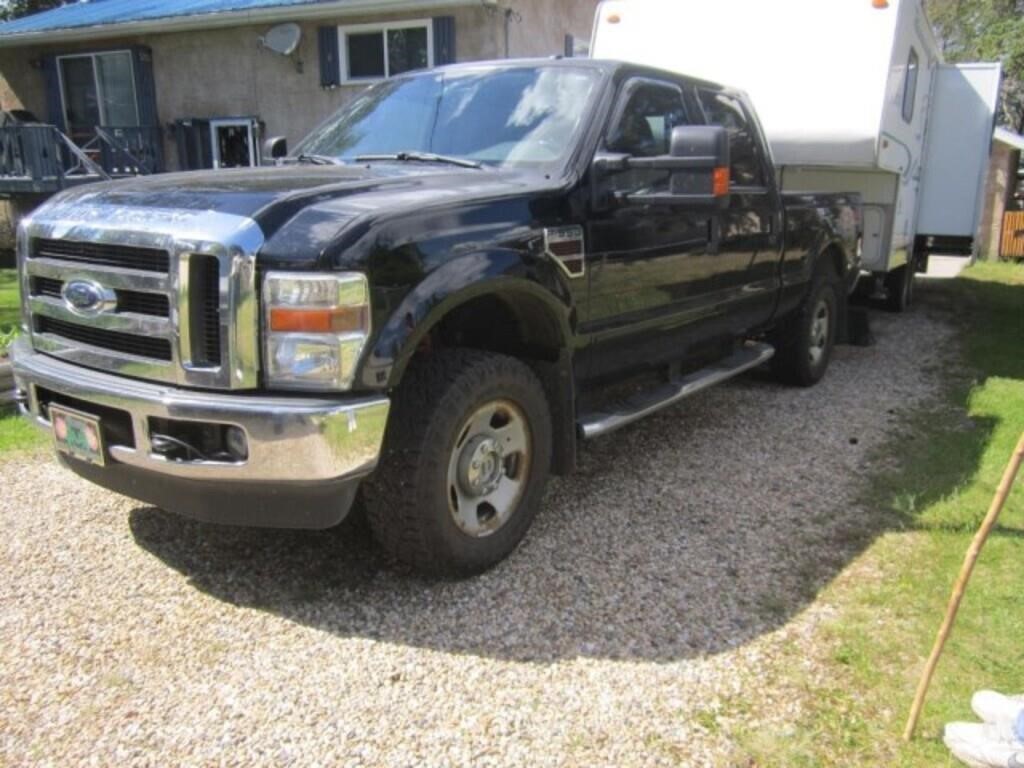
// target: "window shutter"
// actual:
[[145, 97], [145, 86], [54, 104], [330, 66], [193, 139], [444, 40]]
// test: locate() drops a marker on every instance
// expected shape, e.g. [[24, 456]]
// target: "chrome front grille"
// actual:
[[178, 286], [136, 302], [114, 341], [125, 257]]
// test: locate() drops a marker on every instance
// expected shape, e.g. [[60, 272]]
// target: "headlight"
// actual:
[[316, 328]]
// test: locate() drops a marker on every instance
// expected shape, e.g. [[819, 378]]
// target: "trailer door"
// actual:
[[956, 156]]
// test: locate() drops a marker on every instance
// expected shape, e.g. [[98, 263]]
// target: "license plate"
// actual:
[[77, 434]]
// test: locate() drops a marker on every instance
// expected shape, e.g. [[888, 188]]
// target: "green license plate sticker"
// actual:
[[77, 434]]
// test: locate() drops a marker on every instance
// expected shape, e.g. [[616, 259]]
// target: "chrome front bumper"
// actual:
[[290, 439]]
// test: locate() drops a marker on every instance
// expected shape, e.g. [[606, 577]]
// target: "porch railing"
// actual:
[[41, 159], [128, 151]]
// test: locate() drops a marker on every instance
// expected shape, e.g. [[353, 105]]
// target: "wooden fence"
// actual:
[[1011, 244]]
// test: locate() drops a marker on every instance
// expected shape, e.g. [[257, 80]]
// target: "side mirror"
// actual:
[[275, 148], [706, 150], [697, 164]]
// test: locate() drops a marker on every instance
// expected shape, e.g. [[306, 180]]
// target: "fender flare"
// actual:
[[499, 272]]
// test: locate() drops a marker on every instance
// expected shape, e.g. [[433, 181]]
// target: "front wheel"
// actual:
[[465, 462], [804, 344]]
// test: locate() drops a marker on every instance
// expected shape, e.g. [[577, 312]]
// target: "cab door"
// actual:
[[751, 227], [651, 273]]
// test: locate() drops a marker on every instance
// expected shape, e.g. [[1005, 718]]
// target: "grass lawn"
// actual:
[[10, 312], [890, 602], [15, 433]]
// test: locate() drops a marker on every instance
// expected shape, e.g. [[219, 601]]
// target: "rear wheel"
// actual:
[[804, 344], [465, 462], [899, 288]]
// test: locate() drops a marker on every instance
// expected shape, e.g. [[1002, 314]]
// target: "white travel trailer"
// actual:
[[853, 97]]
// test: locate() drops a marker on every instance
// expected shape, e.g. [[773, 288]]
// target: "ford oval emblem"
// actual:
[[87, 298]]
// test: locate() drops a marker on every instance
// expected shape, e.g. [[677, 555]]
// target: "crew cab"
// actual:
[[429, 304]]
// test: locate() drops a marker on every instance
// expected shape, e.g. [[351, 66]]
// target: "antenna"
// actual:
[[283, 39]]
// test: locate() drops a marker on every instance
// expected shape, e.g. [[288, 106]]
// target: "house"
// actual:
[[143, 86], [1002, 218]]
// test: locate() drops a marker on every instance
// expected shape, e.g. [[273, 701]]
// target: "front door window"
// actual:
[[98, 89], [644, 129]]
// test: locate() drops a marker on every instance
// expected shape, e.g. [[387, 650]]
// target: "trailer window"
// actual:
[[910, 87], [744, 158]]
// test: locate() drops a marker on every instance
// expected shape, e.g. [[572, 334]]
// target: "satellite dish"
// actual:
[[283, 39]]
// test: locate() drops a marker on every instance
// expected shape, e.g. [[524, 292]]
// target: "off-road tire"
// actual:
[[793, 340], [407, 498]]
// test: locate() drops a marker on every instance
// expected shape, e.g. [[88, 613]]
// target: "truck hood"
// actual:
[[305, 212]]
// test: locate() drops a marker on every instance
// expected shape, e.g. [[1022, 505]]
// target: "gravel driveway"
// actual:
[[657, 582]]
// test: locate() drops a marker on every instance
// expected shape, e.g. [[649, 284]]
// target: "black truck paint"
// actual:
[[462, 257]]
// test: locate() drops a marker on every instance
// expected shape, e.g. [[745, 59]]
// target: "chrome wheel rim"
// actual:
[[819, 332], [488, 468]]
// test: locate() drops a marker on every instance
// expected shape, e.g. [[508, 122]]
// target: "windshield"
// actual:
[[522, 116]]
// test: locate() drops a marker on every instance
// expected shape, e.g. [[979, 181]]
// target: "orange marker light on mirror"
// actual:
[[880, 4], [720, 182], [614, 18]]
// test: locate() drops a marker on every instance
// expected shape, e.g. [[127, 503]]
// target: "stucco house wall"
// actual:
[[225, 72], [544, 25]]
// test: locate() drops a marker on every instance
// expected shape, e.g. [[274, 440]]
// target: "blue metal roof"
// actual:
[[100, 13]]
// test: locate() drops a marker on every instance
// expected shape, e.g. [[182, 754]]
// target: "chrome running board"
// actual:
[[636, 407]]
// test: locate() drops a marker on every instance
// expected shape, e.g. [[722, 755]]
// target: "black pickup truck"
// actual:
[[428, 304]]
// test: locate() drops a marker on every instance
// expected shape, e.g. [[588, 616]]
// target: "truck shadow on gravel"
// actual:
[[692, 533]]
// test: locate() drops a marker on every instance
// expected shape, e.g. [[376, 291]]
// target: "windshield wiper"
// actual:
[[317, 159], [420, 157]]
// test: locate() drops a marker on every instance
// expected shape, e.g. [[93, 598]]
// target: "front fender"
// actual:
[[502, 271]]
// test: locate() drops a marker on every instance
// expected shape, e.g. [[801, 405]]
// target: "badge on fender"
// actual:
[[565, 245]]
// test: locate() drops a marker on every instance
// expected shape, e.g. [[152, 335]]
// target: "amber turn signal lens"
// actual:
[[336, 320], [880, 4], [720, 182]]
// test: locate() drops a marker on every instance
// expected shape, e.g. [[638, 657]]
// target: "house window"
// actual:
[[375, 52], [98, 89], [910, 87]]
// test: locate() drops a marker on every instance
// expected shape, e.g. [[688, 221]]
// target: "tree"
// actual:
[[986, 30], [15, 9]]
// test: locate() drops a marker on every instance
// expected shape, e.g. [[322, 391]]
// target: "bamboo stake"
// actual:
[[961, 584]]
